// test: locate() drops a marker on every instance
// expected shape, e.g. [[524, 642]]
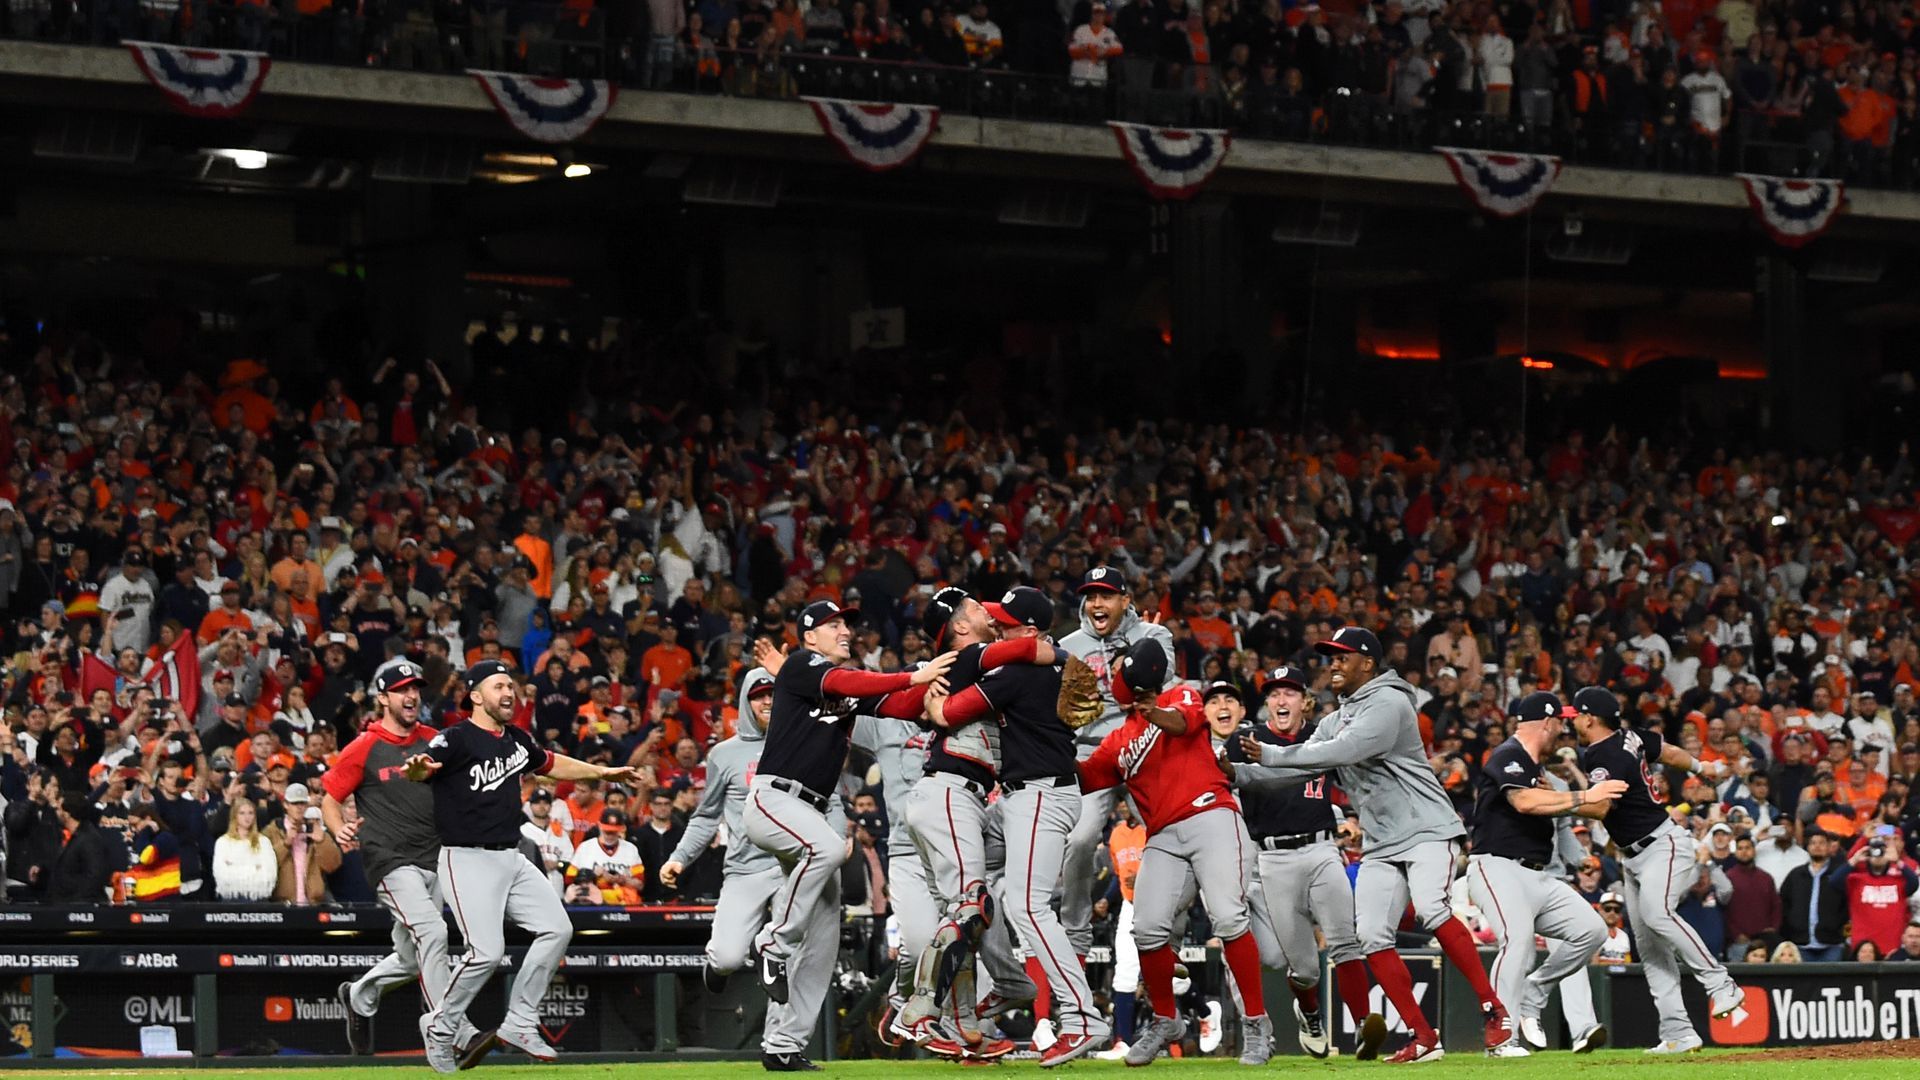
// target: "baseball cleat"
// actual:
[[1256, 1040], [1733, 1005], [1689, 1045], [1533, 1032], [773, 976], [359, 1028], [994, 1005], [1313, 1032], [988, 1050], [1373, 1035], [440, 1052], [1116, 1052], [1499, 1026], [527, 1042], [1509, 1049], [1594, 1039], [787, 1063], [1212, 1032], [1043, 1036], [477, 1050], [1154, 1039], [1416, 1052], [888, 1027], [712, 978], [1065, 1049]]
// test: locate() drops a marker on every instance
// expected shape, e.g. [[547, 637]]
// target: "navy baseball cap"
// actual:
[[1282, 676], [1353, 639], [1022, 606], [759, 683], [821, 612], [1214, 689], [1104, 577], [395, 674], [1539, 705], [485, 670], [941, 609], [1599, 701], [1145, 668]]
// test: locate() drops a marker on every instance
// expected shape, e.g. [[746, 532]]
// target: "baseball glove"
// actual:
[[1079, 703]]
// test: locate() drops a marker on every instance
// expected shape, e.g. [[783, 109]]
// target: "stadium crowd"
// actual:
[[199, 575], [1827, 89]]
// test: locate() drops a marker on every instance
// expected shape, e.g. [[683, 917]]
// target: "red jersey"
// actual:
[[1171, 777], [1877, 904]]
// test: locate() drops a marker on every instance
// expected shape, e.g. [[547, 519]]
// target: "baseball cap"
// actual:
[[134, 557], [1538, 705], [1022, 606], [395, 674], [1221, 686], [1108, 578], [330, 524], [1282, 676], [298, 793], [1446, 673], [1598, 701], [1720, 827], [485, 670], [1612, 898], [236, 698], [940, 612], [821, 612], [600, 680], [759, 683], [613, 821], [1145, 668], [1352, 639], [540, 795]]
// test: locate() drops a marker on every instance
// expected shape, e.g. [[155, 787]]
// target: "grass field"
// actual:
[[1751, 1066]]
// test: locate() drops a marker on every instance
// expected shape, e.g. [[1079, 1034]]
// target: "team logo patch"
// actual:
[[816, 660], [1598, 775], [439, 740], [1514, 768]]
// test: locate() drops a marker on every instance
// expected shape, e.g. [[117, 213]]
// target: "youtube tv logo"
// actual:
[[279, 1009], [1754, 1021]]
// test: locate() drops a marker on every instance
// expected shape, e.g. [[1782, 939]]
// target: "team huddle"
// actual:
[[1002, 760]]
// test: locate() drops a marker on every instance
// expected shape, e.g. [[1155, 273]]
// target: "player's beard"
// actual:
[[503, 719]]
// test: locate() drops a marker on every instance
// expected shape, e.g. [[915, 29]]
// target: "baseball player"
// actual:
[[1108, 628], [1508, 879], [899, 748], [1412, 832], [474, 768], [1164, 755], [401, 852], [1039, 808], [808, 734], [1301, 877], [1651, 846], [950, 823]]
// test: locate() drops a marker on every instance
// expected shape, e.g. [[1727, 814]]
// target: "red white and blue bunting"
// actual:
[[212, 83], [1504, 185], [876, 137], [547, 110], [1173, 164], [1794, 211]]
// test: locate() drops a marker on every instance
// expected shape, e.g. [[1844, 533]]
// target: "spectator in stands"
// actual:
[[1092, 48], [246, 866], [181, 807], [1813, 901], [82, 871], [1618, 948], [1753, 911], [1909, 950], [658, 836], [554, 842], [1878, 890], [607, 868], [303, 849]]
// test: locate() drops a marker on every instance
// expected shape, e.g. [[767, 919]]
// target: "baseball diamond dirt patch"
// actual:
[[1866, 1051]]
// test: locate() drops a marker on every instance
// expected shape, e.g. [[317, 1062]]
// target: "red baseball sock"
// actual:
[[1352, 977], [1391, 973], [1156, 978], [1243, 958], [1457, 943], [1307, 996], [1042, 993]]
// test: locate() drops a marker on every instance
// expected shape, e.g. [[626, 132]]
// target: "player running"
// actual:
[[1163, 754], [401, 851], [474, 767], [1301, 876], [809, 730], [1507, 876], [1412, 832], [1651, 846]]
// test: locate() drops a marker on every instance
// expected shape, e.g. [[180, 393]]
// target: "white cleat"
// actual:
[[1509, 1049], [1044, 1036], [1674, 1047], [1313, 1033], [1116, 1052], [1532, 1031], [1593, 1039]]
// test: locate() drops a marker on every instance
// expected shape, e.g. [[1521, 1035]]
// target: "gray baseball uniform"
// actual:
[[1657, 879], [1519, 902], [899, 748], [1090, 832], [1412, 832]]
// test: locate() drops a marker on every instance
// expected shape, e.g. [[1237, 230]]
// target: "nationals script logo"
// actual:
[[1134, 754], [488, 775]]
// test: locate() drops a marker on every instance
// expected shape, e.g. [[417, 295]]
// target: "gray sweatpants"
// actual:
[[1519, 903], [411, 894], [1076, 882], [1036, 822], [1422, 874], [908, 893], [486, 888], [739, 914], [1214, 847], [950, 825], [1656, 880], [1302, 888], [797, 834]]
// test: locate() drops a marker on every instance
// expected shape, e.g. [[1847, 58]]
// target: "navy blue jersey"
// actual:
[[476, 792], [1283, 810], [1499, 829], [1626, 755], [1034, 742], [810, 728]]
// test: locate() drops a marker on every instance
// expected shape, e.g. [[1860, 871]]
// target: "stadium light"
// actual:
[[1537, 365], [247, 159], [576, 170]]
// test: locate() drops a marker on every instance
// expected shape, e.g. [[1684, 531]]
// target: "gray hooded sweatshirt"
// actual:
[[730, 767], [1373, 743], [1102, 654]]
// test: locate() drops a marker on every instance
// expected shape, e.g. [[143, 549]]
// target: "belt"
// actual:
[[976, 787], [1527, 863], [490, 847], [1063, 780], [1643, 843], [1294, 842], [799, 791]]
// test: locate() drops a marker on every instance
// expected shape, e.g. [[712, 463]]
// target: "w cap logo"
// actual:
[[1098, 573], [1747, 1025], [1282, 672]]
